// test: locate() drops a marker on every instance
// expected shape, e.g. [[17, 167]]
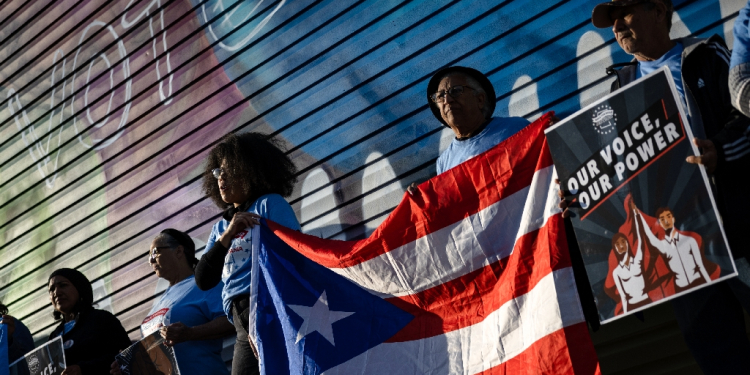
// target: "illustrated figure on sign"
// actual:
[[681, 250], [664, 267], [628, 275], [657, 278]]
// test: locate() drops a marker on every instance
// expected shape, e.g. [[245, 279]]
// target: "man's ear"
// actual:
[[481, 100], [661, 11]]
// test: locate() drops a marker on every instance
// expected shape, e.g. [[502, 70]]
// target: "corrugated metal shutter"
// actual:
[[109, 109]]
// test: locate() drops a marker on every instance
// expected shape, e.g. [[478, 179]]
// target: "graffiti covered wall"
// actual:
[[109, 109]]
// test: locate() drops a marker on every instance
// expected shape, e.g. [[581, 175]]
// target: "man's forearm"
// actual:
[[647, 231]]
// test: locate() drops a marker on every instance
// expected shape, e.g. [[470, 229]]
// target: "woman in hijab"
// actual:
[[91, 338]]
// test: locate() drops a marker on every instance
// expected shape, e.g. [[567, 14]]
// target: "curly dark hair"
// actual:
[[254, 159], [3, 309]]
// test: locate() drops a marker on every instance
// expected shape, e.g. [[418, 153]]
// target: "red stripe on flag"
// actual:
[[471, 298], [566, 351], [443, 200]]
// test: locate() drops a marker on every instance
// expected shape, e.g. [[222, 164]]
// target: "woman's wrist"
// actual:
[[190, 334], [226, 239]]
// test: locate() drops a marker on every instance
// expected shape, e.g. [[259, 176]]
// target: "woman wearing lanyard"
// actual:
[[188, 318], [91, 337], [251, 175]]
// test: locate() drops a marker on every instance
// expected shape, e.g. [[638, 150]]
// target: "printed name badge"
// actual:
[[153, 322], [238, 254]]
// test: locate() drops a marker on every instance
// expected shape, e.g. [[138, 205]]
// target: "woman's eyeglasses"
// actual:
[[154, 252]]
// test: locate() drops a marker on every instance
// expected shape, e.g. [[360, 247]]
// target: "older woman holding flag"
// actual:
[[189, 319]]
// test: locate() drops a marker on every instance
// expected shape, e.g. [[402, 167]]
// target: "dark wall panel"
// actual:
[[109, 109]]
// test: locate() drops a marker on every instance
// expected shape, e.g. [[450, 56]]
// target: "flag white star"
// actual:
[[318, 318]]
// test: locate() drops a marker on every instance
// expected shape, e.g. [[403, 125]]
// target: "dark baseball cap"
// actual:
[[432, 87], [600, 16]]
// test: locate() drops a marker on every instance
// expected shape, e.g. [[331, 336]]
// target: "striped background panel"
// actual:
[[109, 109]]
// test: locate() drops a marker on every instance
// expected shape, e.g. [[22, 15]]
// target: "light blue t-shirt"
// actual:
[[67, 327], [184, 302], [673, 60], [741, 49], [498, 130], [237, 264]]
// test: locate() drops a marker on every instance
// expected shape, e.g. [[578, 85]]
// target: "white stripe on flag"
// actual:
[[461, 248], [507, 332], [536, 212], [254, 275]]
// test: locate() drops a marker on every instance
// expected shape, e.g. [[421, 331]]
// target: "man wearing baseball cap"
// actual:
[[711, 318], [463, 99]]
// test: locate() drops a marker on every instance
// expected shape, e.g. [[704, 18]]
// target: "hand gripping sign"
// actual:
[[148, 356], [644, 219], [48, 359]]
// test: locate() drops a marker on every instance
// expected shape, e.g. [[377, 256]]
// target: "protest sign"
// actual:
[[3, 349], [645, 220], [148, 357], [48, 359]]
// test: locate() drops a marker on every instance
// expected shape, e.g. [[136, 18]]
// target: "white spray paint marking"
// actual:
[[593, 67], [525, 100], [228, 25], [378, 199], [316, 203]]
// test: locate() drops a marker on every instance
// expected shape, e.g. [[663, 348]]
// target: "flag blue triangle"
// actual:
[[291, 292]]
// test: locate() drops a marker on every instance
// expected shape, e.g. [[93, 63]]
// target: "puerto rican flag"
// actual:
[[469, 276]]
